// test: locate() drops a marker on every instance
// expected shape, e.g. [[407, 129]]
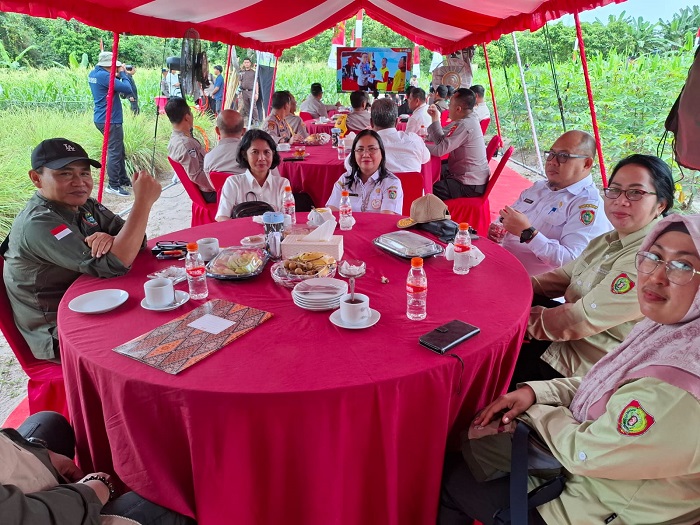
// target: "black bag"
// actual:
[[444, 229], [683, 122], [250, 208]]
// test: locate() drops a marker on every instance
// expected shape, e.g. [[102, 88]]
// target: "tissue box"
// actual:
[[295, 244]]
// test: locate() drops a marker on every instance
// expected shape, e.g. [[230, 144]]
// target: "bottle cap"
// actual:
[[345, 193], [192, 247], [464, 226], [416, 262], [287, 188]]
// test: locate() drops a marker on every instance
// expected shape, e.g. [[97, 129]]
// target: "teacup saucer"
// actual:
[[338, 321], [180, 299]]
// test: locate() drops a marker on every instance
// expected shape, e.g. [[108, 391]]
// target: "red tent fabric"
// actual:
[[268, 25]]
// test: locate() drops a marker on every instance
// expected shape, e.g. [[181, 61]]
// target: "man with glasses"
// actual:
[[554, 220]]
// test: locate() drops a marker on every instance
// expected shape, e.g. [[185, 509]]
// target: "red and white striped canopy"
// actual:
[[274, 25]]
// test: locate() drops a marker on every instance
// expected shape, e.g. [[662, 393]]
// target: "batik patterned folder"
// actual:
[[177, 345]]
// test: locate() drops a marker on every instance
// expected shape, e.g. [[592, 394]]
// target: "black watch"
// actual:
[[527, 234]]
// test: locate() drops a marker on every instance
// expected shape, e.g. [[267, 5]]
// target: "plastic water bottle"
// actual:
[[345, 211], [288, 204], [497, 231], [463, 247], [422, 132], [196, 272], [416, 291]]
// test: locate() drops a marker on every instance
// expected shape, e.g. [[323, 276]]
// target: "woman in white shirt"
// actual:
[[372, 188], [261, 180]]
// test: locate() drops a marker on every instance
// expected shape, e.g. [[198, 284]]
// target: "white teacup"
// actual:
[[208, 248], [357, 312], [159, 292], [318, 216]]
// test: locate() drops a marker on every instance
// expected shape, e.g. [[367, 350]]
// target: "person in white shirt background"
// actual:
[[261, 181], [372, 187], [419, 117], [405, 152]]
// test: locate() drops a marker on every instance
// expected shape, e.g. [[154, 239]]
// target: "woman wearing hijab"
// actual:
[[600, 285], [626, 434]]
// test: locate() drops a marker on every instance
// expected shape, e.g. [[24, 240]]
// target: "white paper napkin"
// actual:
[[476, 254], [323, 233]]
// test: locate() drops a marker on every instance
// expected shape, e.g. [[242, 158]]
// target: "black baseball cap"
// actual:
[[57, 153]]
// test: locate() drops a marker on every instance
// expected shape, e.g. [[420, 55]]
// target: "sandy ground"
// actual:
[[171, 212]]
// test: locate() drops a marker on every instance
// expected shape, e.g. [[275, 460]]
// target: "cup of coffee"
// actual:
[[208, 248], [354, 311], [159, 292]]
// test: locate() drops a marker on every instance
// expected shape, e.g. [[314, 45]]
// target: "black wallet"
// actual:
[[448, 336]]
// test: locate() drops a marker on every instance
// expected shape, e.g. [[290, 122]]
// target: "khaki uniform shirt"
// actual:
[[315, 107], [222, 157], [441, 105], [464, 142], [646, 473], [600, 288], [357, 120], [279, 129], [247, 79], [297, 125], [189, 152], [46, 253]]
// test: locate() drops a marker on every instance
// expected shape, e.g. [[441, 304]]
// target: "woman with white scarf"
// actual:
[[626, 434]]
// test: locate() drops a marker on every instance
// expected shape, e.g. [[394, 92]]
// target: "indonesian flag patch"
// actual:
[[634, 420], [621, 284], [61, 231]]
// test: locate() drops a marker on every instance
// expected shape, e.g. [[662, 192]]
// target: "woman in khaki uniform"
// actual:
[[626, 434], [600, 285]]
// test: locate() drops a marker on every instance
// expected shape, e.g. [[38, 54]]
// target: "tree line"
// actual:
[[42, 43]]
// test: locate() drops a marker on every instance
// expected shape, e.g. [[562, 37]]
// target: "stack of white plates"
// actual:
[[319, 294]]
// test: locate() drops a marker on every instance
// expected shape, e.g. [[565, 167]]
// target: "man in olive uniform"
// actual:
[[245, 97], [63, 233], [276, 124]]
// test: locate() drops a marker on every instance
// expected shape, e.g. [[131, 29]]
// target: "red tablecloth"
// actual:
[[316, 174], [297, 422], [401, 125], [313, 127]]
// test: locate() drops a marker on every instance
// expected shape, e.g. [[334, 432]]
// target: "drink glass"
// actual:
[[341, 151]]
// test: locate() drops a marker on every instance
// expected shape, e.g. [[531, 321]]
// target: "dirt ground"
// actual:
[[171, 212]]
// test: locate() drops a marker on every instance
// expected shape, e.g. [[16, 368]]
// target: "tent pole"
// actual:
[[108, 116], [255, 90], [228, 66], [493, 94], [272, 87], [591, 104], [529, 109]]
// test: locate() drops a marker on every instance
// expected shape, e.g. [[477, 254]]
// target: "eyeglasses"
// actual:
[[632, 195], [372, 150], [677, 272], [562, 157]]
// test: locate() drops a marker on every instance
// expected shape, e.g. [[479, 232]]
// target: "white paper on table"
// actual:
[[323, 233], [475, 254], [212, 324]]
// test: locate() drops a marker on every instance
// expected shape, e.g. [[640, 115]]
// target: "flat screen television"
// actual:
[[384, 69]]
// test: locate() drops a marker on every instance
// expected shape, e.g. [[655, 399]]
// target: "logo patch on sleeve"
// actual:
[[61, 231], [621, 284], [392, 194], [587, 216], [634, 420]]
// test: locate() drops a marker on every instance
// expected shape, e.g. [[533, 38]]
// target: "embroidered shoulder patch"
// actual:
[[192, 153], [587, 217], [392, 194], [621, 284], [588, 205], [634, 420]]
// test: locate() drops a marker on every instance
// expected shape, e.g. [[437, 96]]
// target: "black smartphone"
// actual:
[[447, 336]]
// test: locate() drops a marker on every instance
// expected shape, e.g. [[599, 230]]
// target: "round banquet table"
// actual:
[[314, 175], [298, 421], [313, 126]]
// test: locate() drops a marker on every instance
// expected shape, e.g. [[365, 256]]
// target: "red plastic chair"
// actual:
[[445, 117], [202, 212], [218, 179], [412, 185], [493, 146], [160, 104], [303, 115], [45, 388], [485, 125], [477, 210]]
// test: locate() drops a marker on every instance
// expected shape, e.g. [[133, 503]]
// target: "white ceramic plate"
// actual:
[[338, 321], [180, 299], [99, 301]]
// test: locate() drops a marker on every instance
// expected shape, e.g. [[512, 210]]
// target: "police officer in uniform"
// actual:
[[245, 97]]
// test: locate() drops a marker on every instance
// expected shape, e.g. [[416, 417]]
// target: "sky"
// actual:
[[650, 10]]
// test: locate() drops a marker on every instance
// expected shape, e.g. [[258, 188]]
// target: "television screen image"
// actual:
[[384, 69]]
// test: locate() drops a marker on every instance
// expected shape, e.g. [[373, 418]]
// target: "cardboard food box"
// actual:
[[294, 244]]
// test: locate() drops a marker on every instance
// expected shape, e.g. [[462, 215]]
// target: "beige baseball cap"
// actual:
[[427, 208]]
